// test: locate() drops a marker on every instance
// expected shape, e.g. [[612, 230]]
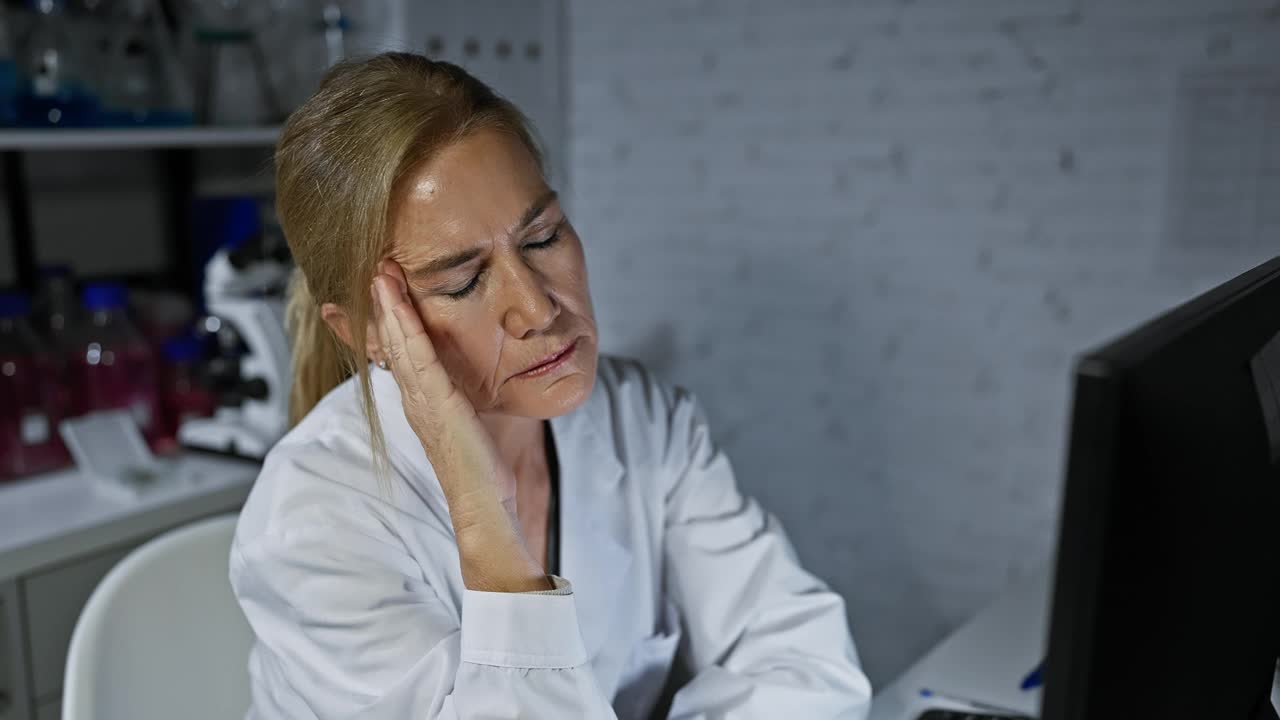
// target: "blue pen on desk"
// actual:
[[1033, 679], [971, 703]]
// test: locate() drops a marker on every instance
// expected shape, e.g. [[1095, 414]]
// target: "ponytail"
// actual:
[[319, 364]]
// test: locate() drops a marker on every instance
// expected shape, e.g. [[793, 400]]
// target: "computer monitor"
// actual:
[[1166, 597]]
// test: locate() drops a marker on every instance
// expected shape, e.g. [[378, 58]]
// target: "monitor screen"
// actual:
[[1167, 587]]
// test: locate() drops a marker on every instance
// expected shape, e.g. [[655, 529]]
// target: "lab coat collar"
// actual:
[[594, 521]]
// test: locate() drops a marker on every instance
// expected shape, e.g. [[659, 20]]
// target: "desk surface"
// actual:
[[985, 659], [48, 518]]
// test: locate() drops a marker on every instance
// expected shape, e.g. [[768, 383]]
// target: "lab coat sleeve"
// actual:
[[353, 631], [766, 638]]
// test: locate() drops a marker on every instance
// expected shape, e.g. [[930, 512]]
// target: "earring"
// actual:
[[382, 363]]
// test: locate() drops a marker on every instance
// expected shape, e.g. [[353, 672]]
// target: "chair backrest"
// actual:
[[162, 635]]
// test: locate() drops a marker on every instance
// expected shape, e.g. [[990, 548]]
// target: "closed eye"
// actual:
[[465, 291], [470, 287], [550, 240]]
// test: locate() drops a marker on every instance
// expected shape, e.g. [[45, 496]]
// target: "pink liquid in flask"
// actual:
[[29, 412], [117, 370]]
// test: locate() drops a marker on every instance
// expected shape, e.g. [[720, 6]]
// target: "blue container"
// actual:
[[14, 304], [104, 296]]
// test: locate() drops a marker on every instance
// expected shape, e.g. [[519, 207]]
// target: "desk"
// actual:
[[58, 537], [985, 659]]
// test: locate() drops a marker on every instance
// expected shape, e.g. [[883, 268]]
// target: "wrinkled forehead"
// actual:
[[473, 191]]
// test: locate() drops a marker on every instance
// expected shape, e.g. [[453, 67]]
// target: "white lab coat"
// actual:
[[355, 594]]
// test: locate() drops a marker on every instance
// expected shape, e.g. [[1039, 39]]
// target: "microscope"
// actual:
[[244, 293]]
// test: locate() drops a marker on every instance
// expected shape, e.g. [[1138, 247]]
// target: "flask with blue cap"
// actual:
[[117, 368]]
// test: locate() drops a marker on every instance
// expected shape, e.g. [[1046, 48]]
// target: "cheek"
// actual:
[[571, 277], [466, 340]]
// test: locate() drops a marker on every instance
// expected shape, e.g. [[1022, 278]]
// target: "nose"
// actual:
[[530, 308]]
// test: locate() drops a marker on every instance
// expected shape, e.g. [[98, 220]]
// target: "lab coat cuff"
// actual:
[[561, 587], [534, 630]]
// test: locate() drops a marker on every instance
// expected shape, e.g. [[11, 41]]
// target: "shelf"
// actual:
[[137, 138]]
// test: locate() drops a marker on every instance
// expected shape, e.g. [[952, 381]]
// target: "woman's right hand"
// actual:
[[477, 484], [460, 449]]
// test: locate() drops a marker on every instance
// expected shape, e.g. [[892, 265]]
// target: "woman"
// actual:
[[475, 516]]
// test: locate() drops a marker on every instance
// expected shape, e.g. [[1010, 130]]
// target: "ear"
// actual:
[[338, 320]]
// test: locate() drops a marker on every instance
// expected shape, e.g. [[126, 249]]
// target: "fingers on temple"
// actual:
[[406, 338]]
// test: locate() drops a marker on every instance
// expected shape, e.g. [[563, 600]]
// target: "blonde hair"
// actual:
[[338, 165]]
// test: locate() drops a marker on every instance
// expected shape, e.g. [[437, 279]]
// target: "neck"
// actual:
[[518, 438]]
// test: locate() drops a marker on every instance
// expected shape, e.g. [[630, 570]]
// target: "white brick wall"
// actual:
[[871, 235]]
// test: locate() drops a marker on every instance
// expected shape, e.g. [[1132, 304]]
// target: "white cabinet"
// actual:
[[53, 600], [50, 711], [14, 700], [6, 667]]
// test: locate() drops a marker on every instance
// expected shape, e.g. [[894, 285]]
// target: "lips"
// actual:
[[550, 359]]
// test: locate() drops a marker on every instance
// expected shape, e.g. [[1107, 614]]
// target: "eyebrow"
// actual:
[[463, 257]]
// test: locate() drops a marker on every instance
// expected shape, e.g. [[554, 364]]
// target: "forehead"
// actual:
[[472, 191]]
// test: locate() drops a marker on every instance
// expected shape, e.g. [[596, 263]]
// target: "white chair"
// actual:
[[162, 636]]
